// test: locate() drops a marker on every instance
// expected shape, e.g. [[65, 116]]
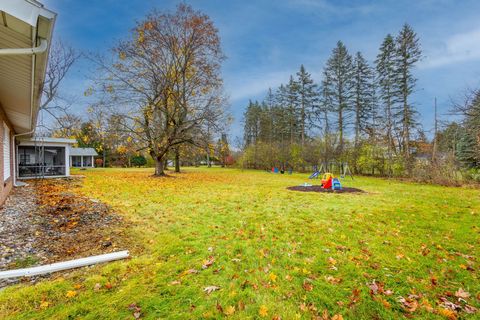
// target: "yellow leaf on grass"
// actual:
[[44, 304], [229, 310], [272, 277], [263, 311], [447, 313], [337, 317], [71, 294]]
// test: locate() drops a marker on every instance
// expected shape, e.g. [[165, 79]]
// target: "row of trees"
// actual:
[[354, 106]]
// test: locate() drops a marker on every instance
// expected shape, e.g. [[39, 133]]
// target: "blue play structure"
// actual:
[[315, 173], [336, 185]]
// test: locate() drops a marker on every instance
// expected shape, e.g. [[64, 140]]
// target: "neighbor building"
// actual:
[[25, 36], [82, 157]]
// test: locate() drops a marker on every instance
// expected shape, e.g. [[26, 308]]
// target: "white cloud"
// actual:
[[461, 47], [245, 86], [331, 7]]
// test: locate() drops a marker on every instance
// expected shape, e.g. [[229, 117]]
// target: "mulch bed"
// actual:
[[48, 221], [317, 188]]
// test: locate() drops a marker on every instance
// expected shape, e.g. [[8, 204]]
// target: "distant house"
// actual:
[[82, 157], [43, 157], [25, 34]]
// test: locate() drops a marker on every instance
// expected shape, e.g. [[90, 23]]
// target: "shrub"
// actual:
[[138, 161]]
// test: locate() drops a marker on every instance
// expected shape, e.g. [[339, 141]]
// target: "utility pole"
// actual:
[[435, 142]]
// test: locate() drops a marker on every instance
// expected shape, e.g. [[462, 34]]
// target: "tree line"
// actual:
[[359, 112]]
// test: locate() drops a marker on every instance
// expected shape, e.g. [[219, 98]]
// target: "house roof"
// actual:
[[23, 24], [83, 152], [48, 140]]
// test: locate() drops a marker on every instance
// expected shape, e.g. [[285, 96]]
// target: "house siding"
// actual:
[[6, 185]]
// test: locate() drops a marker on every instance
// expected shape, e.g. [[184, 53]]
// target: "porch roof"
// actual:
[[83, 152], [24, 24]]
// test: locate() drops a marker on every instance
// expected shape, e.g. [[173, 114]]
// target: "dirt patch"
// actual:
[[47, 222], [317, 188]]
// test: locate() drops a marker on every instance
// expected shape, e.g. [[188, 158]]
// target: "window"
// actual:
[[6, 152]]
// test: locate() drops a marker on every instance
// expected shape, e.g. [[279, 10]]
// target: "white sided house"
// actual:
[[25, 34], [40, 157], [82, 157]]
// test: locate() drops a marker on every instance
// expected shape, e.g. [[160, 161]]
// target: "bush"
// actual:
[[98, 162], [138, 161]]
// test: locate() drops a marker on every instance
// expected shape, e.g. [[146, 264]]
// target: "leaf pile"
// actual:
[[72, 225]]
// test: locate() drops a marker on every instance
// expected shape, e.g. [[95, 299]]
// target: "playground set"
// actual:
[[329, 181], [325, 172]]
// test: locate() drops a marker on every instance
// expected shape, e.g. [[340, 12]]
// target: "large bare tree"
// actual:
[[165, 81], [61, 59]]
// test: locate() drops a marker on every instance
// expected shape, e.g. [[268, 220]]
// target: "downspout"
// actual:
[[25, 51]]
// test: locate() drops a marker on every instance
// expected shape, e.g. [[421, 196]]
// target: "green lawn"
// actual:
[[395, 251]]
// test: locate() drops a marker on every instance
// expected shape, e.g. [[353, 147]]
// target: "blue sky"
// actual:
[[266, 41]]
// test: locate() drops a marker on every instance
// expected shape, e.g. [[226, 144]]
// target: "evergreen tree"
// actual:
[[338, 86], [408, 53], [387, 84], [466, 150], [292, 109], [364, 97], [308, 98], [252, 123]]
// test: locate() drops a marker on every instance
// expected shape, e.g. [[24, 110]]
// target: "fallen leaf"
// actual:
[[70, 294], [385, 303], [272, 277], [210, 289], [470, 309], [263, 311], [354, 298], [175, 282], [307, 286], [408, 304], [207, 263], [108, 285], [449, 314], [337, 317], [44, 304], [460, 293], [333, 280], [229, 310], [189, 271]]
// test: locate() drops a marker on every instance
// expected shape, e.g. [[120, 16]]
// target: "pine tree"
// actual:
[[338, 86], [466, 150], [408, 53], [387, 87], [292, 109], [308, 98], [364, 97], [252, 123]]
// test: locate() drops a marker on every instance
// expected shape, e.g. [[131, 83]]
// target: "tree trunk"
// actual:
[[159, 166], [209, 164], [177, 160]]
